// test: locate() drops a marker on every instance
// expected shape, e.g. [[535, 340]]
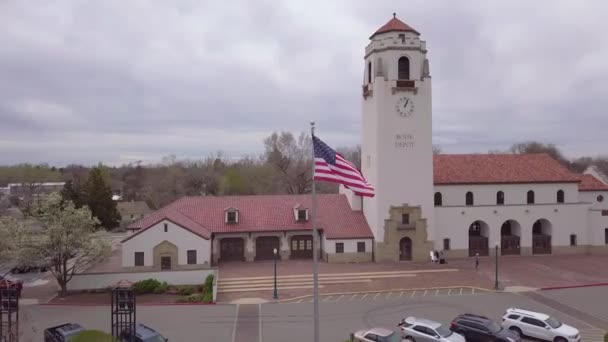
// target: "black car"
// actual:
[[482, 329], [143, 333], [62, 333]]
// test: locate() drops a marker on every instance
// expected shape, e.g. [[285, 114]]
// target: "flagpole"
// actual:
[[315, 243]]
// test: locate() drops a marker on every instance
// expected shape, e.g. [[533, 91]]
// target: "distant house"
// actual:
[[132, 211], [23, 190]]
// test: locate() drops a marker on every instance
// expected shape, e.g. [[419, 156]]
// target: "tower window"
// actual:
[[166, 227], [438, 199], [560, 196], [572, 239], [404, 68], [530, 197], [405, 218], [369, 72], [402, 37], [500, 198], [469, 198]]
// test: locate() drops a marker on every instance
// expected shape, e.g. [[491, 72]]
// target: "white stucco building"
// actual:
[[460, 204]]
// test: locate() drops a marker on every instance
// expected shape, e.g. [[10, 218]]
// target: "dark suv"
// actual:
[[143, 333], [482, 329]]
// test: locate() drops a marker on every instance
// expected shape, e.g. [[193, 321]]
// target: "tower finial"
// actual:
[[394, 15]]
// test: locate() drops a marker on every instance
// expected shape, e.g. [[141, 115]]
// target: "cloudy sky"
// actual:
[[126, 80]]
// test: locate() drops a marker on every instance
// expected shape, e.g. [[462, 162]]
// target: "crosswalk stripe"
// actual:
[[360, 274]]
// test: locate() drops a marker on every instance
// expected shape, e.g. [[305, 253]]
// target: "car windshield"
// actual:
[[443, 331], [553, 323], [494, 327], [393, 337]]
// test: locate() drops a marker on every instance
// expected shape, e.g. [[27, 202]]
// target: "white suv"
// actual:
[[539, 325]]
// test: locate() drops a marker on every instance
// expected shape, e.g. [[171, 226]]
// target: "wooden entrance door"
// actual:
[[301, 247], [264, 247], [165, 262], [509, 245], [541, 244], [232, 249], [405, 249], [478, 244]]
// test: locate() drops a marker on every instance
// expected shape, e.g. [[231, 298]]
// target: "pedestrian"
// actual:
[[476, 261]]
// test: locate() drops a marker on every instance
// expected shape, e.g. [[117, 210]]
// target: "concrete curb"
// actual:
[[571, 286], [386, 291], [142, 304]]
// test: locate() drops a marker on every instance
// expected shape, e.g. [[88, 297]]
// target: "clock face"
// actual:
[[405, 107]]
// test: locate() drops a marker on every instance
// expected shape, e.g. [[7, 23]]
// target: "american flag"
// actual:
[[331, 167]]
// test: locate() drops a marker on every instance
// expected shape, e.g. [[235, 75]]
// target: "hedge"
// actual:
[[146, 286], [93, 336]]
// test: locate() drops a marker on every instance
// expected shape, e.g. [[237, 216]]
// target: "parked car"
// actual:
[[62, 333], [424, 330], [482, 329], [143, 333], [539, 325], [378, 335], [30, 267]]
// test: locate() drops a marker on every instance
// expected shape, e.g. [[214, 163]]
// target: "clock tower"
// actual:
[[396, 151]]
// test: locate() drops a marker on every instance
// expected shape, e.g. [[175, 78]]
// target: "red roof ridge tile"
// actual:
[[394, 25]]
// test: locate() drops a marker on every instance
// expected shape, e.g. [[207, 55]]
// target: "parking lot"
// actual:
[[392, 295], [339, 316]]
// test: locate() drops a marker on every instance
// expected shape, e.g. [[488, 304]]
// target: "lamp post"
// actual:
[[276, 295], [496, 279]]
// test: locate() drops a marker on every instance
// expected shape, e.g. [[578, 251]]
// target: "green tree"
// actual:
[[9, 228], [99, 199], [73, 192], [68, 241]]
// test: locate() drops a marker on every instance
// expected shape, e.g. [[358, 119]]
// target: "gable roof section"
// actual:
[[171, 215], [590, 183], [268, 213], [394, 25], [133, 207], [450, 169]]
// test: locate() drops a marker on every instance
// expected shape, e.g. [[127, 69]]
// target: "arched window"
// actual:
[[369, 72], [404, 68], [469, 198], [438, 199], [530, 197], [560, 196], [500, 198]]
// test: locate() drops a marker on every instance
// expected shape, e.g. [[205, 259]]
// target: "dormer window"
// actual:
[[232, 216], [300, 213]]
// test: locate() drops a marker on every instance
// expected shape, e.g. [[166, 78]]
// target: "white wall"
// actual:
[[182, 238], [95, 281], [591, 197], [400, 173], [350, 245], [597, 226], [485, 194], [566, 219]]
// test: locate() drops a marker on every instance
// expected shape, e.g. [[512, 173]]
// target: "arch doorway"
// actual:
[[405, 249], [478, 238], [510, 236], [541, 237]]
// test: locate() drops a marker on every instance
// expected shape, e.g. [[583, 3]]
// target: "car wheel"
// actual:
[[517, 331], [560, 339], [410, 338]]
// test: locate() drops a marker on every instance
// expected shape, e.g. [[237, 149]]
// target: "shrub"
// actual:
[[162, 288], [93, 336], [145, 286], [185, 291], [208, 297]]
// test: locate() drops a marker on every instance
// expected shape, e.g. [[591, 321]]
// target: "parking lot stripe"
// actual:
[[327, 298], [425, 291], [449, 292], [436, 292], [236, 319], [413, 293], [388, 295], [365, 296], [377, 294], [339, 298], [473, 291], [401, 294], [461, 291], [353, 297]]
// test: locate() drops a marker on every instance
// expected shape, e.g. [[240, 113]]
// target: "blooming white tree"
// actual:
[[68, 241]]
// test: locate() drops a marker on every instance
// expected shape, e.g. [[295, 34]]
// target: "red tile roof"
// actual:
[[499, 169], [394, 25], [172, 215], [264, 213], [590, 183]]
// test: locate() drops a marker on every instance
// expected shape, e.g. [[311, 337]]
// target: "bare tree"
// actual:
[[67, 243], [291, 159], [436, 149]]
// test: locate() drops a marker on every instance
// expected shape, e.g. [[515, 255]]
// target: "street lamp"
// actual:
[[276, 295], [496, 280]]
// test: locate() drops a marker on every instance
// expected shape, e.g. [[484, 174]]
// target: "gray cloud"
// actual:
[[119, 81]]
